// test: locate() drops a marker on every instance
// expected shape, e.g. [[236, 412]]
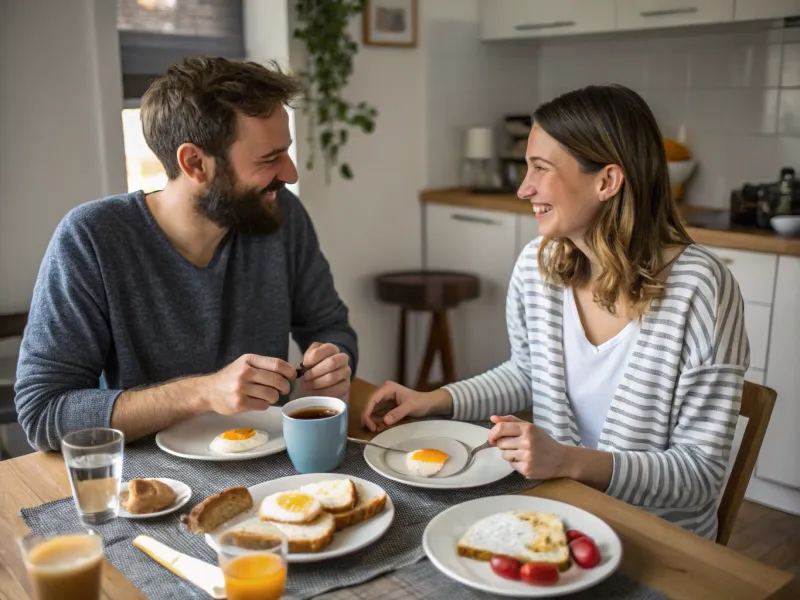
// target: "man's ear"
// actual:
[[195, 164]]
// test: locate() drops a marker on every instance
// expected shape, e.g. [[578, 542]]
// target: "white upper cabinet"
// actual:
[[751, 10], [509, 19], [652, 14]]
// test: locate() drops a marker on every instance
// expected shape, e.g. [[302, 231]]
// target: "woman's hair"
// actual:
[[611, 124]]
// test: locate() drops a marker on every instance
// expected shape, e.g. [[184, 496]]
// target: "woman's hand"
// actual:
[[392, 402], [531, 452]]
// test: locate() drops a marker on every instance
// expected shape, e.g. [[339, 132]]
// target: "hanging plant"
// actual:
[[322, 27]]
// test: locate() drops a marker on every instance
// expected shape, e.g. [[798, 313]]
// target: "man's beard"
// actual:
[[246, 212]]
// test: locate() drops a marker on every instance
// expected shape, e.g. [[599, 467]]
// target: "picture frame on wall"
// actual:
[[390, 23]]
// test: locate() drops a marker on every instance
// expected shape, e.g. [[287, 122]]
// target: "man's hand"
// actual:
[[251, 382], [328, 370]]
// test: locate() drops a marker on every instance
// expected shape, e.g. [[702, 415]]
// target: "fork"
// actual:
[[470, 457]]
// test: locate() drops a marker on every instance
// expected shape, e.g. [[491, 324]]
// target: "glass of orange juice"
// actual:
[[66, 566], [254, 565]]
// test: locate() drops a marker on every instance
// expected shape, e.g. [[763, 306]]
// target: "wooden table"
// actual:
[[656, 553]]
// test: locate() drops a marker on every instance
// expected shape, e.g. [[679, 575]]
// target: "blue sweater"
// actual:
[[116, 307]]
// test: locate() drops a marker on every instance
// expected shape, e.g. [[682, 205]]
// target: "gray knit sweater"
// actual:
[[115, 306]]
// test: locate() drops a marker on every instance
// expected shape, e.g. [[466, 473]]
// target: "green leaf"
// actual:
[[345, 171], [343, 137], [325, 139]]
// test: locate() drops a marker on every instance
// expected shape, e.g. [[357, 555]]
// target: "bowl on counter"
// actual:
[[680, 171], [786, 225]]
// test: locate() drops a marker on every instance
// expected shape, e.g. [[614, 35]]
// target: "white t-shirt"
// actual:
[[593, 373]]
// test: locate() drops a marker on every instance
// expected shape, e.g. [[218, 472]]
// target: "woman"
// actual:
[[627, 339]]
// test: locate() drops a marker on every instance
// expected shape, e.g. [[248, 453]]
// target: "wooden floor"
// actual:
[[769, 536]]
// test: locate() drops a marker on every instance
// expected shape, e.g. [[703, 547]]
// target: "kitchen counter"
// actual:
[[739, 238]]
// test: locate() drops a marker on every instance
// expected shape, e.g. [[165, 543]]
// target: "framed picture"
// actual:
[[390, 23]]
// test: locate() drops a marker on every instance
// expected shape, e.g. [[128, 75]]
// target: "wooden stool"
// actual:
[[429, 291]]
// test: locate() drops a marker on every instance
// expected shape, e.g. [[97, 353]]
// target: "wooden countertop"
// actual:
[[657, 553], [755, 240]]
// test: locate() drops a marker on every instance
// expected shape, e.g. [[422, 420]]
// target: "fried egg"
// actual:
[[335, 495], [426, 462], [290, 507], [238, 440]]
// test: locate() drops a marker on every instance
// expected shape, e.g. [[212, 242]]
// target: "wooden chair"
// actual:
[[757, 404], [10, 326]]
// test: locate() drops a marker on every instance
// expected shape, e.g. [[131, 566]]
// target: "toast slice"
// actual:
[[367, 506], [335, 495], [525, 536], [217, 509], [309, 537]]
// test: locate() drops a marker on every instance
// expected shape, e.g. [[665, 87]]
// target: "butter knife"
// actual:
[[207, 577]]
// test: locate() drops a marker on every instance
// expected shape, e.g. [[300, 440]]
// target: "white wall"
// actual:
[[371, 224], [60, 126]]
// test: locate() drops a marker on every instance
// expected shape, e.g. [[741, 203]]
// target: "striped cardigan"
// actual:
[[671, 422]]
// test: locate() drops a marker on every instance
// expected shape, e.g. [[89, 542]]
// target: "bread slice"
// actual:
[[217, 509], [335, 495], [367, 506], [309, 537], [148, 496], [525, 536]]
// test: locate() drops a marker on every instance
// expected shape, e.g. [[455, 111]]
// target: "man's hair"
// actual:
[[197, 99]]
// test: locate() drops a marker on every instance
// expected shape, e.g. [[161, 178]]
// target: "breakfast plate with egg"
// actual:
[[322, 515], [480, 542], [218, 437], [435, 452]]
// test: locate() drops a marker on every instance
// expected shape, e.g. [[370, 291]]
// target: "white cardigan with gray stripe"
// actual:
[[671, 421]]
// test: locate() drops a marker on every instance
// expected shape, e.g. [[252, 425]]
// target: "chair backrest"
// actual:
[[13, 325], [757, 404]]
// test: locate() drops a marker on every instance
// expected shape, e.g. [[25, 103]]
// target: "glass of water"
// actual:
[[94, 462]]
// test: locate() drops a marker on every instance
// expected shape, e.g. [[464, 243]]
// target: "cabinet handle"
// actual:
[[727, 261], [553, 25], [669, 11], [471, 219]]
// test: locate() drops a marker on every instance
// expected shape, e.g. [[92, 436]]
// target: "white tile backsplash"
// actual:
[[789, 123], [790, 71]]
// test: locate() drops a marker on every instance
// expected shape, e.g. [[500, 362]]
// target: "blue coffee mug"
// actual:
[[315, 445]]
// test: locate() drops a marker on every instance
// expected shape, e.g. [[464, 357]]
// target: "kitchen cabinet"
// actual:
[[650, 14], [779, 461], [528, 231], [750, 10], [509, 19], [484, 243]]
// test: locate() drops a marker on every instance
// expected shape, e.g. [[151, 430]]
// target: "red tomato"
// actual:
[[574, 534], [584, 552], [505, 566], [539, 574]]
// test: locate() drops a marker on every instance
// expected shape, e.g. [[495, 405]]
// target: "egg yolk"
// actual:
[[238, 434], [294, 502], [429, 455]]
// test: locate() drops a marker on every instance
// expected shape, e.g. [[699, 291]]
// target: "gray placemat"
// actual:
[[400, 546]]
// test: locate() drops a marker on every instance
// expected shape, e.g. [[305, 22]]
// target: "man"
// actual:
[[149, 309]]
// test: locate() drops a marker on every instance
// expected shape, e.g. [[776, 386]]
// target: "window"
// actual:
[[144, 169]]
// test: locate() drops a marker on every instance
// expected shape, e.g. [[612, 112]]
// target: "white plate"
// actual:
[[191, 438], [183, 491], [488, 466], [344, 542], [445, 529]]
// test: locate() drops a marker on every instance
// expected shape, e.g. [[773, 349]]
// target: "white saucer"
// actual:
[[441, 536], [191, 438], [344, 542], [488, 466], [183, 491]]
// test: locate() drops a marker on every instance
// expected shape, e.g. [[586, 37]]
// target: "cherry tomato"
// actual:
[[539, 574], [584, 552], [505, 566], [574, 534]]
